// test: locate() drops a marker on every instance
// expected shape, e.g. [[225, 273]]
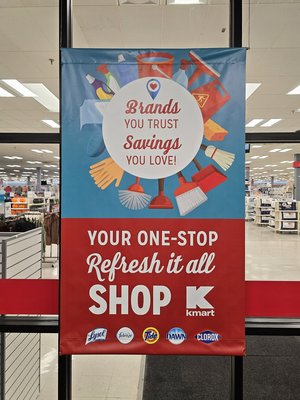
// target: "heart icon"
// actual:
[[153, 86]]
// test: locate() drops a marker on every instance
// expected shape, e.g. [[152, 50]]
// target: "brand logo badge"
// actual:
[[176, 336], [96, 335], [208, 337], [125, 335], [150, 335]]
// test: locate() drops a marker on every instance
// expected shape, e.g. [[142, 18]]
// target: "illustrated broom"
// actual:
[[188, 195], [134, 197], [221, 157]]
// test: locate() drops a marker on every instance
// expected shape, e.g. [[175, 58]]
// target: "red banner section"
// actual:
[[296, 164], [152, 286], [29, 296], [40, 296]]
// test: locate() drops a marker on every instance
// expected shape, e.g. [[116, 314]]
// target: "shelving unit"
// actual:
[[262, 211], [285, 217], [249, 208]]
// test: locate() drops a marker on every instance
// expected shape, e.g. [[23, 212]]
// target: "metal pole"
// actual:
[[65, 378], [235, 23], [65, 41], [65, 23], [236, 371]]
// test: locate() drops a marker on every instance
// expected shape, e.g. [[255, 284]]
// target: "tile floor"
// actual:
[[269, 256]]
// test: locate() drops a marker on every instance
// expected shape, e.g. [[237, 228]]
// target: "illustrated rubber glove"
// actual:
[[106, 172]]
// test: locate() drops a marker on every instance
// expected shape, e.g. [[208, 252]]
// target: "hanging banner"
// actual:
[[153, 201]]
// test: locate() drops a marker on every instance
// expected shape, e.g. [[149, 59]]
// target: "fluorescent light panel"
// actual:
[[296, 90], [44, 96], [19, 87], [254, 122], [274, 150], [5, 93], [250, 88], [175, 2], [51, 123], [271, 122], [284, 150]]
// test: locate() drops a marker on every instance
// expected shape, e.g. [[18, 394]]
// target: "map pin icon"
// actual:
[[153, 87]]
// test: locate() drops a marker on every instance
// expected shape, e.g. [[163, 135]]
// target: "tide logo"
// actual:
[[150, 335]]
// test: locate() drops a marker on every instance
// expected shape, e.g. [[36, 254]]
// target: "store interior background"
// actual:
[[29, 53]]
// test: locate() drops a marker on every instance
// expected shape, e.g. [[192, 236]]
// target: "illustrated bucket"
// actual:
[[155, 64]]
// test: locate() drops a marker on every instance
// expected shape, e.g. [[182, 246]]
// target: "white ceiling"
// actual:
[[29, 38]]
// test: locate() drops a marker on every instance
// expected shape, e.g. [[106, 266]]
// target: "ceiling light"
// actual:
[[37, 151], [5, 93], [47, 151], [13, 157], [45, 170], [49, 165], [13, 165], [253, 123], [285, 150], [256, 146], [248, 162], [284, 162], [271, 122], [274, 150], [19, 87], [254, 157], [58, 158], [175, 2], [51, 123], [44, 96], [250, 88], [29, 168], [290, 167], [262, 157], [34, 162], [278, 170], [16, 170], [296, 90]]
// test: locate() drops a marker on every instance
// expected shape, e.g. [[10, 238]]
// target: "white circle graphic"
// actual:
[[125, 335], [152, 128]]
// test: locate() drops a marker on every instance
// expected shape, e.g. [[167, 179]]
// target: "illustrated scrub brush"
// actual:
[[161, 201], [106, 172], [188, 195], [207, 178], [134, 197], [221, 157]]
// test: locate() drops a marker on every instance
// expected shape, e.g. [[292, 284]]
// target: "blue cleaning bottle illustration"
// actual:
[[180, 76], [126, 72]]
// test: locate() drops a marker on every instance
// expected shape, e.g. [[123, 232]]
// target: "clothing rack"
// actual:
[[51, 228]]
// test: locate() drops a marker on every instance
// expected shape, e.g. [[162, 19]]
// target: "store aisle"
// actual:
[[271, 256]]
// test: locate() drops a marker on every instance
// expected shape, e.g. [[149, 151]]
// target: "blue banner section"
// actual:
[[95, 183]]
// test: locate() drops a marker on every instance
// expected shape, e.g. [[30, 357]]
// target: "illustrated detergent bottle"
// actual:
[[103, 91], [180, 76], [125, 72], [110, 79]]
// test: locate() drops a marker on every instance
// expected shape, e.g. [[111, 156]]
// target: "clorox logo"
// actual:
[[208, 337], [176, 336], [150, 335]]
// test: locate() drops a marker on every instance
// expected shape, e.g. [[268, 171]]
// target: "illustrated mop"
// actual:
[[221, 157]]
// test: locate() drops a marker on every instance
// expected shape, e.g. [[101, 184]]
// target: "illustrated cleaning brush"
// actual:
[[188, 195], [134, 197], [221, 157]]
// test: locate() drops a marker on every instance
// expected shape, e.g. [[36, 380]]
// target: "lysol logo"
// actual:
[[176, 336], [96, 335], [150, 335], [208, 337]]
